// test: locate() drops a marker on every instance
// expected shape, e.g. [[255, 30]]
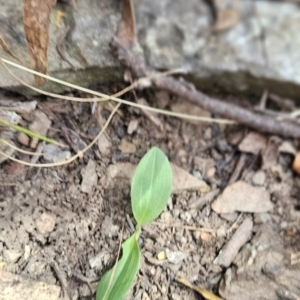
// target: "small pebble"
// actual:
[[221, 232], [211, 172], [162, 255], [296, 163], [261, 218], [23, 139], [120, 131], [45, 223], [283, 225], [127, 147], [205, 236], [259, 178], [133, 124], [188, 216], [176, 297], [145, 296], [208, 134]]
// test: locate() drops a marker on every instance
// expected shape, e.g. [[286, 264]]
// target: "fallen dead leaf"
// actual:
[[36, 20], [126, 30], [182, 180], [253, 143], [242, 197], [287, 147]]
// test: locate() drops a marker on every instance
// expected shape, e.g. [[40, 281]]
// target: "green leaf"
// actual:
[[116, 283], [151, 186], [29, 132]]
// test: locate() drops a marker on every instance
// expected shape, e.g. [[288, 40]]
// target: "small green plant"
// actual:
[[150, 190]]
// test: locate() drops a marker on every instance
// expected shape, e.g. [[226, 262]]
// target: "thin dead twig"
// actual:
[[213, 105]]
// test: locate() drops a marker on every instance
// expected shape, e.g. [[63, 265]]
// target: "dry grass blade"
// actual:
[[18, 149], [7, 50], [79, 154], [104, 97], [203, 292], [30, 133]]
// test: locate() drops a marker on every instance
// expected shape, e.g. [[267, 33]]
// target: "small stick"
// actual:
[[213, 105]]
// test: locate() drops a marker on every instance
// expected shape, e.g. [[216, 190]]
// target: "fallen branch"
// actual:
[[215, 106]]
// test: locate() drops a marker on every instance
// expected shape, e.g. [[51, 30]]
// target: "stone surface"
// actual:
[[240, 196], [45, 223], [11, 256], [18, 287], [259, 178], [255, 54], [86, 46], [174, 33]]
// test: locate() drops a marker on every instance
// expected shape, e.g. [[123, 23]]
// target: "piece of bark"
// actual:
[[232, 247]]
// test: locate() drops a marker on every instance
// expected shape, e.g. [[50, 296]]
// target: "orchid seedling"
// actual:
[[150, 190]]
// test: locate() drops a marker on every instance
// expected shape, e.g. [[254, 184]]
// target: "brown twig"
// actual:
[[213, 105]]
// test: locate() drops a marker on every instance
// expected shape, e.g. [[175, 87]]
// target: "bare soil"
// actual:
[[51, 231]]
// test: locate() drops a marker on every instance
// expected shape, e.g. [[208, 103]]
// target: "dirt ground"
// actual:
[[63, 225]]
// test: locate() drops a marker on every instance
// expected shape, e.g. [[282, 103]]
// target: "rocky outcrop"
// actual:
[[260, 52]]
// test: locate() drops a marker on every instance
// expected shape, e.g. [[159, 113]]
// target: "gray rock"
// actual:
[[256, 54], [86, 46], [259, 178]]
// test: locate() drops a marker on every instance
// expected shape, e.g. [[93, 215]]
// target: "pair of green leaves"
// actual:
[[150, 190]]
